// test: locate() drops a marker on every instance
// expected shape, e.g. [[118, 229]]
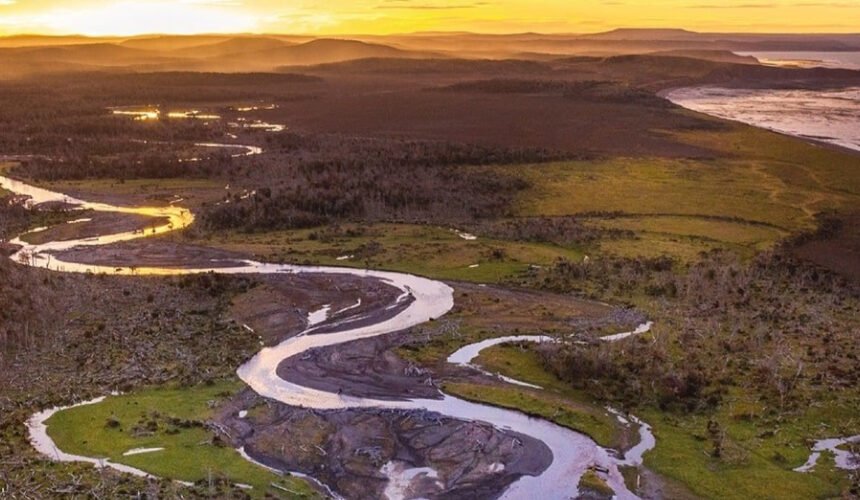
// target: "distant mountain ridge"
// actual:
[[35, 54], [239, 54], [643, 34], [230, 47]]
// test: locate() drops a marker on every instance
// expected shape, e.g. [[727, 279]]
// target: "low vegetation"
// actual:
[[589, 90], [179, 422], [94, 335], [715, 310], [419, 249]]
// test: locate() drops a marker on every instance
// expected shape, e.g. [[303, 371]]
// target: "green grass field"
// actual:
[[792, 161], [652, 186], [758, 188], [758, 456], [685, 236], [556, 401], [425, 250], [145, 419], [3, 168], [567, 414]]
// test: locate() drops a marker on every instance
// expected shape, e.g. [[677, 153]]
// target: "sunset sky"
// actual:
[[127, 17]]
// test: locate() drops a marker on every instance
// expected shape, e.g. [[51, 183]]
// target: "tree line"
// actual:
[[306, 181]]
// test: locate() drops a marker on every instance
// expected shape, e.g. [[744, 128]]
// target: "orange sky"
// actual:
[[128, 17]]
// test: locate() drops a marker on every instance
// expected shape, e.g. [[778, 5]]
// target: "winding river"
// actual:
[[421, 300]]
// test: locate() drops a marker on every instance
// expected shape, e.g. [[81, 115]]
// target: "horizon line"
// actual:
[[429, 32]]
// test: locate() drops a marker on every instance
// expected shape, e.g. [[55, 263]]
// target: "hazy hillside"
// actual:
[[23, 61], [28, 55], [332, 50], [230, 47], [173, 42], [100, 54], [709, 55], [621, 41], [644, 35], [46, 40], [210, 54]]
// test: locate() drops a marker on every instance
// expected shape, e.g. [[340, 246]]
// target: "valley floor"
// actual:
[[738, 244]]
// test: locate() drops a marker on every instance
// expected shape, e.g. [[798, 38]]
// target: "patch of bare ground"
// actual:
[[152, 253], [347, 449], [279, 308], [366, 368], [835, 246]]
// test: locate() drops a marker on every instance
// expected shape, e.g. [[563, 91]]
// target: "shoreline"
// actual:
[[672, 95]]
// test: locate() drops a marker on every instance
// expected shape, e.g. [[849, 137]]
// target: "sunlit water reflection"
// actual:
[[831, 116], [421, 300]]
